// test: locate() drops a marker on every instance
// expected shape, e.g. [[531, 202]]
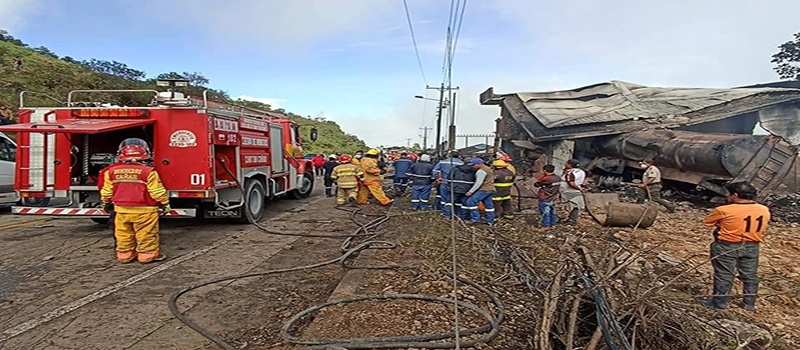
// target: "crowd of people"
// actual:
[[463, 188], [132, 190], [357, 177]]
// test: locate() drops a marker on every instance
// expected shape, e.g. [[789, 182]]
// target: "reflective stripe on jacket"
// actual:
[[442, 168], [134, 186], [346, 175], [503, 181], [462, 177], [421, 173]]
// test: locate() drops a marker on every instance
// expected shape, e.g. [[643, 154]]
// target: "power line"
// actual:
[[424, 108], [455, 21], [414, 40], [458, 30], [448, 41], [454, 24]]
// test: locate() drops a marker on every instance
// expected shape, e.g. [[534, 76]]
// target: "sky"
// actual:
[[353, 61]]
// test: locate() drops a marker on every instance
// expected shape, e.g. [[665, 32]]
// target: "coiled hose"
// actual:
[[491, 328]]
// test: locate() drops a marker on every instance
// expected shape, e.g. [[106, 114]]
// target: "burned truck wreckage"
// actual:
[[699, 138]]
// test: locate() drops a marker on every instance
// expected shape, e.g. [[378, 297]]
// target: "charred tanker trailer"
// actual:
[[701, 137], [705, 160]]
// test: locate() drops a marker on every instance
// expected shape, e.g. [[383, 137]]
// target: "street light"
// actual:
[[445, 102], [425, 98]]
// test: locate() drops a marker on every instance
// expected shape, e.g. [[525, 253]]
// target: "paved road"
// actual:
[[61, 288]]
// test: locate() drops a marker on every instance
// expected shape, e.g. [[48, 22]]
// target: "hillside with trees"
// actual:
[[25, 68]]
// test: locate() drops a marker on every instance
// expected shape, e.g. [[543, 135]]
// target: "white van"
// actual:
[[8, 152]]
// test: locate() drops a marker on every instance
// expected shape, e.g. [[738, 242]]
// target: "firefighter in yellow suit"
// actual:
[[346, 175], [137, 195], [371, 179], [357, 157]]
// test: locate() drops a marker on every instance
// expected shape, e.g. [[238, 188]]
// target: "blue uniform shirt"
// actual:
[[442, 169], [401, 167]]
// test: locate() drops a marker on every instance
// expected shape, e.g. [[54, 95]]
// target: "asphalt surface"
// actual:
[[61, 287]]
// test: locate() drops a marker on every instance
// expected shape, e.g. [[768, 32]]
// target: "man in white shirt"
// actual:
[[572, 189], [651, 185]]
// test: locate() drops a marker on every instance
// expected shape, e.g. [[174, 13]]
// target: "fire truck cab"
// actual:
[[216, 160]]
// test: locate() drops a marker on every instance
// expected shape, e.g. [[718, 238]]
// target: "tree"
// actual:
[[69, 59], [253, 104], [4, 36], [117, 69], [787, 60], [45, 51], [196, 78]]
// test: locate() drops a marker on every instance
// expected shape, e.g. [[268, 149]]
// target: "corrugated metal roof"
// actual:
[[616, 101]]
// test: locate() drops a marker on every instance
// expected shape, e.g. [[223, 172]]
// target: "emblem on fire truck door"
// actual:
[[182, 139]]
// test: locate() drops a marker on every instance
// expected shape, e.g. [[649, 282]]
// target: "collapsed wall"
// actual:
[[702, 137]]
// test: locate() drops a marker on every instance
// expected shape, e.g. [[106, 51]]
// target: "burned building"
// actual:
[[697, 136]]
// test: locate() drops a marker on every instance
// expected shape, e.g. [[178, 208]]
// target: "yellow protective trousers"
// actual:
[[343, 194], [137, 236], [375, 189]]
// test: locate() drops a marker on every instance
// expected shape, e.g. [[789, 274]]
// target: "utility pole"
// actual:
[[425, 137], [451, 130], [408, 142], [439, 121], [442, 105]]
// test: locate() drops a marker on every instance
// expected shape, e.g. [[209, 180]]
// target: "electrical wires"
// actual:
[[456, 18], [458, 31], [455, 21], [414, 40]]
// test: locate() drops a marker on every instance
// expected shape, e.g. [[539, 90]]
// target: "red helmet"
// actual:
[[504, 157], [133, 149], [345, 158]]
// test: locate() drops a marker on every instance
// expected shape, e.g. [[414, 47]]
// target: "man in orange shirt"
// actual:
[[740, 227]]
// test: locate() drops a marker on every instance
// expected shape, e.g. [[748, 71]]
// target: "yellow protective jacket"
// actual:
[[371, 171], [346, 175], [153, 185], [503, 181]]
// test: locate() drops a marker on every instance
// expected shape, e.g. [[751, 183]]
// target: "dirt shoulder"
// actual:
[[653, 275]]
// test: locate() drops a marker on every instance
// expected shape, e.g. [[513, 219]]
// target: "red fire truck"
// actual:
[[217, 160]]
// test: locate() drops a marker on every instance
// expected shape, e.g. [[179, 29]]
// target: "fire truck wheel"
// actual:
[[255, 198], [305, 188]]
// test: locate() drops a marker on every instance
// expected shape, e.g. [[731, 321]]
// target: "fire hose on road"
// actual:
[[429, 341]]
